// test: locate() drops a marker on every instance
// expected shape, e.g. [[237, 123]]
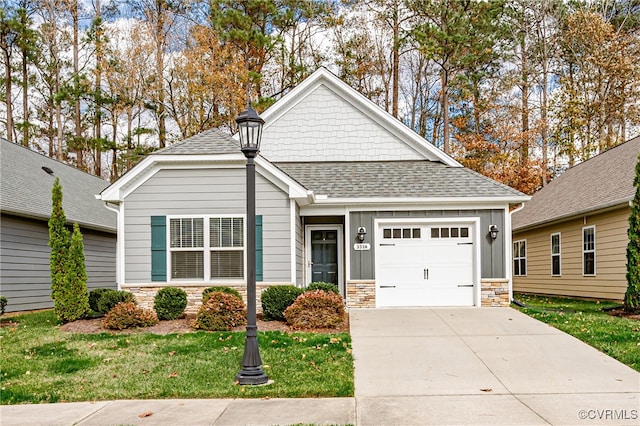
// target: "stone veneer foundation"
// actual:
[[495, 292], [146, 293], [361, 293]]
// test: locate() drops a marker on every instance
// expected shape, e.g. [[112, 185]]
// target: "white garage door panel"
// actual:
[[425, 271]]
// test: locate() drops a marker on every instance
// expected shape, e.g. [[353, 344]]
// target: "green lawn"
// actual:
[[39, 363], [586, 320]]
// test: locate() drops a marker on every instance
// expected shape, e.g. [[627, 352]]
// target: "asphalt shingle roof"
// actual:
[[603, 181], [212, 141], [393, 179], [25, 188]]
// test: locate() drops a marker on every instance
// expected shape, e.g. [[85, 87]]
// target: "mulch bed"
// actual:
[[183, 325], [621, 312]]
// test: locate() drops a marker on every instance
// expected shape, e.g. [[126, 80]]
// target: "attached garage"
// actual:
[[427, 263]]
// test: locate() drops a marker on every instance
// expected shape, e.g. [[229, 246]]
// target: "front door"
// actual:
[[324, 254]]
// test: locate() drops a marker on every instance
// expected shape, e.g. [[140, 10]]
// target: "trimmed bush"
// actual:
[[316, 309], [276, 299], [207, 291], [221, 312], [324, 287], [3, 304], [111, 298], [95, 296], [71, 301], [128, 315], [170, 303]]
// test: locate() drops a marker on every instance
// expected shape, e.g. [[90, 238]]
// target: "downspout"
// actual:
[[510, 249], [118, 237]]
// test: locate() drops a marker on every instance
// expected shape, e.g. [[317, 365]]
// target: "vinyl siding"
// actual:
[[492, 254], [207, 192], [299, 249], [611, 243], [24, 262]]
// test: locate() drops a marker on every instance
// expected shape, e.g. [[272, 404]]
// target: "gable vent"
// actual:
[[48, 170]]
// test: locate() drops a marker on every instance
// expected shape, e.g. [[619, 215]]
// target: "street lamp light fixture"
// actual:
[[250, 130]]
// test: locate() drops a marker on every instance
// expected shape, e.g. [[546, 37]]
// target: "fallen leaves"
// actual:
[[145, 414], [173, 375]]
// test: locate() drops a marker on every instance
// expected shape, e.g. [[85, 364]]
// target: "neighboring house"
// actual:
[[571, 238], [332, 166], [26, 180]]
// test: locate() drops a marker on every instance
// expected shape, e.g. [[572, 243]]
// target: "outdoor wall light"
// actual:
[[362, 231], [493, 231]]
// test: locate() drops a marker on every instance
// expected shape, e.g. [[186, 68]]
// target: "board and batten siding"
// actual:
[[492, 253], [299, 249], [24, 262], [205, 191], [610, 281]]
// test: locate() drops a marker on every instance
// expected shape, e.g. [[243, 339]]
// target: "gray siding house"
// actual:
[[345, 194], [26, 179]]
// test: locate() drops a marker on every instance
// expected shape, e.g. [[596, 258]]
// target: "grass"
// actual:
[[39, 363], [586, 320]]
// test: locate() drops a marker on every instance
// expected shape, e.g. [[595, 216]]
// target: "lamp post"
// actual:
[[250, 131]]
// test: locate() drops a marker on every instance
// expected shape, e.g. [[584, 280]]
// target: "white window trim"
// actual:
[[207, 248], [583, 251], [526, 253], [559, 254]]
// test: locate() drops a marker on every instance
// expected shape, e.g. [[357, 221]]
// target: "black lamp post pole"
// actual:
[[251, 373]]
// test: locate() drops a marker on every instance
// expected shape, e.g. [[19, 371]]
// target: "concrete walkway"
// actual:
[[483, 366], [462, 366]]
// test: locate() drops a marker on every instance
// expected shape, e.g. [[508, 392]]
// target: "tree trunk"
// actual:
[[98, 96], [162, 129], [396, 61], [444, 84], [8, 84], [76, 87]]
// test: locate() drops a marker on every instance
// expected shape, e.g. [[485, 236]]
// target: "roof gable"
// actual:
[[26, 188], [603, 181], [324, 119]]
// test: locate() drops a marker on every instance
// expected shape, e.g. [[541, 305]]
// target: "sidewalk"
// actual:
[[335, 411]]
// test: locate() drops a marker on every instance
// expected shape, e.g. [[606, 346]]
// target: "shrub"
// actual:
[[276, 299], [95, 296], [128, 315], [316, 309], [170, 302], [324, 287], [221, 312], [111, 298], [207, 291], [3, 304], [72, 299]]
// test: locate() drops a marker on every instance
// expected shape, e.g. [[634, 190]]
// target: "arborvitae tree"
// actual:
[[72, 300], [59, 240], [632, 296]]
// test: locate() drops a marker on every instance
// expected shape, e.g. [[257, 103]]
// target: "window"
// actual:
[[401, 233], [453, 232], [187, 248], [520, 258], [555, 255], [206, 248], [589, 250]]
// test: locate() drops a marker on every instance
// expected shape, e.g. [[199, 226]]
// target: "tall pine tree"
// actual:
[[632, 296], [59, 240]]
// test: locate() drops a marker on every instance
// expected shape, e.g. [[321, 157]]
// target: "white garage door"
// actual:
[[425, 264]]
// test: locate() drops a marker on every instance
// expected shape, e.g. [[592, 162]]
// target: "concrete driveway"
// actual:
[[483, 366]]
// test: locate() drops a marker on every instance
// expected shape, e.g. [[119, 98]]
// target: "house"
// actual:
[[26, 180], [571, 238], [345, 194]]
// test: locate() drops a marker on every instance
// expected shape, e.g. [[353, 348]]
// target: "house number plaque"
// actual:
[[361, 246]]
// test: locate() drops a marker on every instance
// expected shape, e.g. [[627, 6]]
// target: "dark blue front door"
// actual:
[[324, 255]]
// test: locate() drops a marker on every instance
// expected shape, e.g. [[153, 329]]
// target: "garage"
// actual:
[[426, 264]]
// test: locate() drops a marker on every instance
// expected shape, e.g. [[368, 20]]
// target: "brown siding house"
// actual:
[[571, 238]]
